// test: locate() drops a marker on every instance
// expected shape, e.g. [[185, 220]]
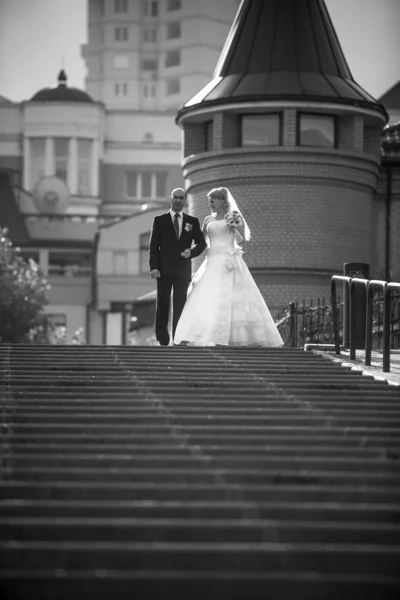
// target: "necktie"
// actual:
[[176, 224]]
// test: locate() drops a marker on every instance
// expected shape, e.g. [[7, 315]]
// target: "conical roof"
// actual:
[[283, 50]]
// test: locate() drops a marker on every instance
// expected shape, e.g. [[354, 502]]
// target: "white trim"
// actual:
[[72, 173], [278, 105], [95, 168], [27, 164], [49, 159]]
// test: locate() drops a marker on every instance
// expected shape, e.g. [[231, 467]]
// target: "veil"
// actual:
[[234, 206]]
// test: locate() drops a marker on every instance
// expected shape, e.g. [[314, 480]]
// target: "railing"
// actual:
[[305, 323], [390, 305]]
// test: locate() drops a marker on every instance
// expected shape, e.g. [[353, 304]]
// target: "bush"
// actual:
[[24, 295]]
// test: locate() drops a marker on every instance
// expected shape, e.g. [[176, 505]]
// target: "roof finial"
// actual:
[[62, 78]]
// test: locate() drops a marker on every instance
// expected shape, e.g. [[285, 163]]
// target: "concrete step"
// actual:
[[237, 510], [202, 472], [178, 530], [53, 451], [297, 490], [158, 416], [254, 557], [307, 437], [48, 584], [234, 463]]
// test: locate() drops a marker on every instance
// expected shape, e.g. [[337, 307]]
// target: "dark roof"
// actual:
[[4, 100], [10, 216], [391, 99], [282, 50], [61, 93]]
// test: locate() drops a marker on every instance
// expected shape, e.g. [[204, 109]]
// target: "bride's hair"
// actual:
[[222, 194], [229, 204]]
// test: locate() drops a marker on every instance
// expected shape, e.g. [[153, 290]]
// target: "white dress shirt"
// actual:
[[180, 220]]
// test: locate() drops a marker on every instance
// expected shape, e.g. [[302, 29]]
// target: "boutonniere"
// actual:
[[188, 227]]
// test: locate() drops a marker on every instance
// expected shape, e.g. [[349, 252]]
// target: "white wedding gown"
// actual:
[[224, 305]]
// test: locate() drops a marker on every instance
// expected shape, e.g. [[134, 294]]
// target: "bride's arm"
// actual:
[[239, 235], [204, 227]]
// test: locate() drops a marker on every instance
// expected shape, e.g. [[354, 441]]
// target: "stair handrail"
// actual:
[[370, 287], [373, 285], [335, 313], [353, 282], [387, 299]]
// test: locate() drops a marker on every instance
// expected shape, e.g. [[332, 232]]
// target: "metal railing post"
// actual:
[[346, 280], [372, 285], [387, 299], [353, 325]]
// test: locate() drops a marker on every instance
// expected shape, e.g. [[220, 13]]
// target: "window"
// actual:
[[149, 64], [84, 166], [150, 35], [144, 244], [209, 134], [173, 30], [173, 87], [173, 58], [146, 184], [120, 6], [174, 5], [121, 88], [149, 90], [61, 151], [316, 130], [70, 264], [261, 130], [150, 8], [38, 146], [121, 61], [121, 34]]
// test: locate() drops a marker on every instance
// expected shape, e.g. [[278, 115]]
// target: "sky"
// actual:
[[39, 37]]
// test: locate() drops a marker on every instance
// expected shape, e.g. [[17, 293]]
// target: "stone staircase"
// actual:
[[218, 473]]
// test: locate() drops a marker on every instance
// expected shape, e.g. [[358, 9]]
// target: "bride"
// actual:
[[224, 305]]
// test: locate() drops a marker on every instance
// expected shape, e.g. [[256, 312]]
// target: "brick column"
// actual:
[[226, 131], [289, 127], [194, 139]]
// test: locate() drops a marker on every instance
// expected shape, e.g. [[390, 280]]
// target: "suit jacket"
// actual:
[[165, 248]]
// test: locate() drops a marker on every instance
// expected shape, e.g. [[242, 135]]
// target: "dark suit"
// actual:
[[175, 271]]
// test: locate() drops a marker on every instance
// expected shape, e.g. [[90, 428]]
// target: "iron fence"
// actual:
[[311, 322]]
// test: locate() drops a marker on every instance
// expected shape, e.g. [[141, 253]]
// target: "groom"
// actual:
[[170, 255]]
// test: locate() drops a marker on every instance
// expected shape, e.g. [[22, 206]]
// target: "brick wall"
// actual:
[[372, 140], [350, 133], [379, 230], [310, 209]]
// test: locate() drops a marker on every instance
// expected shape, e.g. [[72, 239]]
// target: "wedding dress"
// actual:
[[224, 305]]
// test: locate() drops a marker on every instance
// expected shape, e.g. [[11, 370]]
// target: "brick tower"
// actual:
[[286, 128]]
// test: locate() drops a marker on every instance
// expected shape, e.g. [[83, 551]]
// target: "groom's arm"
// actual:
[[154, 246], [198, 238]]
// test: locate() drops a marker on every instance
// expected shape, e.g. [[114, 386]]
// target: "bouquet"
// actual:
[[233, 219]]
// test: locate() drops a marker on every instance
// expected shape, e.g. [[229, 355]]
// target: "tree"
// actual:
[[24, 293]]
